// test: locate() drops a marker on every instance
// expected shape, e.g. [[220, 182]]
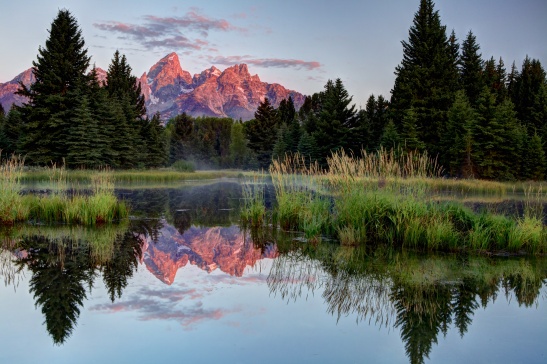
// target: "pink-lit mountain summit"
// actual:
[[170, 90]]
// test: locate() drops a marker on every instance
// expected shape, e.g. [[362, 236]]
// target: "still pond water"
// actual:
[[182, 282]]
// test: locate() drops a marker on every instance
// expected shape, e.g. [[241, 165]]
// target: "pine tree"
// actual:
[[377, 115], [60, 72], [471, 76], [156, 142], [336, 120], [307, 147], [101, 107], [82, 138], [426, 78], [535, 161], [529, 95], [239, 152], [121, 84], [123, 137], [280, 148], [409, 134], [497, 138], [262, 132], [390, 138], [12, 131], [458, 138], [286, 111]]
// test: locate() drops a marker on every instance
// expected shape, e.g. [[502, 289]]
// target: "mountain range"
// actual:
[[170, 90]]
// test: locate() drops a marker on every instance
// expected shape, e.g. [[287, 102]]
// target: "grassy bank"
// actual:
[[101, 206], [382, 199], [133, 176]]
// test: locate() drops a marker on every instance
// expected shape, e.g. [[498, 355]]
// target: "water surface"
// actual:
[[181, 281]]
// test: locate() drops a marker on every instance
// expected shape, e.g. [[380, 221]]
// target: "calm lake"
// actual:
[[182, 282]]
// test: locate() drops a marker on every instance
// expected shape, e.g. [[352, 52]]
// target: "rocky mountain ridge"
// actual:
[[170, 90]]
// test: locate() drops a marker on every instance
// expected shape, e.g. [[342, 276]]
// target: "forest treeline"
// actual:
[[478, 118]]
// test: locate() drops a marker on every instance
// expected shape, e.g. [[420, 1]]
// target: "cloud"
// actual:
[[267, 62], [176, 42], [170, 294], [137, 31], [170, 32], [192, 20], [165, 304]]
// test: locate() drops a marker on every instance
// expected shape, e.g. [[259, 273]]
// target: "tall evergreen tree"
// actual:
[[82, 138], [60, 72], [497, 138], [426, 77], [307, 147], [155, 141], [472, 66], [262, 132], [390, 138], [409, 134], [534, 160], [286, 111], [336, 120], [239, 152], [529, 95], [101, 107], [458, 138], [121, 84]]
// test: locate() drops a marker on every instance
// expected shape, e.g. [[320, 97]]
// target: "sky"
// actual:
[[299, 44]]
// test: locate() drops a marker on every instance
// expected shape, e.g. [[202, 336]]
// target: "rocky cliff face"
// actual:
[[223, 248], [170, 90], [8, 89]]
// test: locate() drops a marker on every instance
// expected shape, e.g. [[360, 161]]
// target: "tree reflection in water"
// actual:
[[64, 263], [421, 295]]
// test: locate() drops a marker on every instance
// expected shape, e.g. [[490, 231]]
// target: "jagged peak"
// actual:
[[240, 69], [169, 64]]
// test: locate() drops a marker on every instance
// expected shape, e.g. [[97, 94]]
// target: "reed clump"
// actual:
[[12, 205], [60, 205], [373, 200], [253, 211]]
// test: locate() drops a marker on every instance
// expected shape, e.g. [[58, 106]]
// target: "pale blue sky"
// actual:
[[300, 44]]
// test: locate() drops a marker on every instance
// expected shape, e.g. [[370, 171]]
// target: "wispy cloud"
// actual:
[[165, 304], [170, 32], [176, 42], [267, 62], [138, 31]]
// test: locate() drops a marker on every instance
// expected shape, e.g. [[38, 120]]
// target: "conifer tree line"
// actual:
[[72, 118], [477, 117]]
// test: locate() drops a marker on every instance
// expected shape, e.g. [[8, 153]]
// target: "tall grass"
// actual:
[[58, 206], [253, 211], [12, 206], [379, 199]]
